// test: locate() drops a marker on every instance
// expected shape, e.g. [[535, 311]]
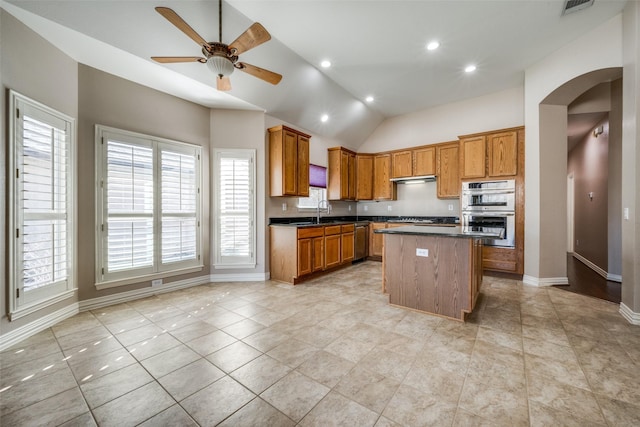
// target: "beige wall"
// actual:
[[631, 157], [108, 100], [589, 163], [55, 85], [246, 130]]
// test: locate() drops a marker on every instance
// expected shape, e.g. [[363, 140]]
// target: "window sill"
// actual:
[[146, 278]]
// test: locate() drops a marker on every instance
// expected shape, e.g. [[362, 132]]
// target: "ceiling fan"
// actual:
[[221, 58]]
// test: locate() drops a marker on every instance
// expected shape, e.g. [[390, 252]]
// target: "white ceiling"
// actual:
[[377, 48]]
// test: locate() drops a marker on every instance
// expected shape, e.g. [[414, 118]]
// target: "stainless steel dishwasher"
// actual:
[[361, 242]]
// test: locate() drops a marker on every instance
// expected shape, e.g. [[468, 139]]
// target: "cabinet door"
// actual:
[[290, 161], [305, 254], [318, 254], [447, 168], [401, 164], [376, 240], [303, 166], [424, 161], [347, 248], [332, 250], [503, 154], [383, 188], [344, 175], [473, 157], [364, 177], [351, 176]]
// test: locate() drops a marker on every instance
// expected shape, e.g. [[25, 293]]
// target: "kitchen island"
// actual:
[[437, 270]]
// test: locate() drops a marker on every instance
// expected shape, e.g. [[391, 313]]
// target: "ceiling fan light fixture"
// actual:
[[220, 65]]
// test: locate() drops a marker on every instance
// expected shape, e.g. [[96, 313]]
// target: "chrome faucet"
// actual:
[[320, 203]]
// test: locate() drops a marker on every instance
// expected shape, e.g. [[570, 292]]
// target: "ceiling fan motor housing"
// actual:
[[219, 59]]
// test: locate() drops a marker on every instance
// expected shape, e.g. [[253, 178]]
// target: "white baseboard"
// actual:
[[544, 281], [240, 277], [614, 277], [630, 315], [15, 336], [118, 298]]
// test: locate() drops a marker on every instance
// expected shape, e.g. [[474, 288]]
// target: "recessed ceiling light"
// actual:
[[325, 64], [324, 118], [369, 98], [470, 68], [433, 45]]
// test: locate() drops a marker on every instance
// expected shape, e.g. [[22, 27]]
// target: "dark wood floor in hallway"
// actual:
[[585, 281]]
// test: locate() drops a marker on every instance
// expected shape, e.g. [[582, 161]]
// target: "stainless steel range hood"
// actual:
[[414, 179]]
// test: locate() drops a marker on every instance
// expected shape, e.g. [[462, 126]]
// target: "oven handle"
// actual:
[[496, 191]]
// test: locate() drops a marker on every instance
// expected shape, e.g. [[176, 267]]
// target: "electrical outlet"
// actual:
[[450, 207], [284, 207], [422, 252], [157, 282], [626, 214], [577, 242], [366, 208], [389, 208], [349, 208]]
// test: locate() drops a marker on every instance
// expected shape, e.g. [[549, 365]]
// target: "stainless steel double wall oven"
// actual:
[[490, 206]]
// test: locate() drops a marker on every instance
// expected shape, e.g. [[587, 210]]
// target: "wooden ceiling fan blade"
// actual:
[[172, 59], [176, 20], [223, 83], [261, 73], [254, 36]]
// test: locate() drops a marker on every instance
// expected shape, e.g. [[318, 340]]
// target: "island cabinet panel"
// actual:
[[364, 177], [448, 170], [472, 157], [503, 154], [443, 281], [424, 161]]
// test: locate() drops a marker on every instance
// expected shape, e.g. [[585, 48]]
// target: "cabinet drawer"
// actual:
[[332, 229], [348, 228], [307, 232]]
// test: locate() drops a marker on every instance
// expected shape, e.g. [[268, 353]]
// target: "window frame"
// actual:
[[158, 269], [19, 304], [233, 263]]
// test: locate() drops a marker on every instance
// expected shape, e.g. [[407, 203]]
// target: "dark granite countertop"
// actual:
[[437, 231]]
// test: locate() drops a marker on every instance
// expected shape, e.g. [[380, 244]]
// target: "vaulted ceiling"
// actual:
[[377, 48]]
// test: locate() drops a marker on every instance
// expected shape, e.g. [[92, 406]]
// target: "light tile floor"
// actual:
[[329, 352]]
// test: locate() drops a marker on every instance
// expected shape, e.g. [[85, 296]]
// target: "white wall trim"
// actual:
[[121, 297], [240, 277], [630, 315], [544, 281], [591, 265], [15, 336], [614, 277]]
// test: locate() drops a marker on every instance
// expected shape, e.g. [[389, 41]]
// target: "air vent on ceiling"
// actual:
[[575, 5]]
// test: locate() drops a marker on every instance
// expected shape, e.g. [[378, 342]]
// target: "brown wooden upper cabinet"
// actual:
[[342, 174], [415, 162], [402, 164], [448, 170], [364, 177], [424, 161], [503, 154], [489, 155], [473, 157], [383, 188], [288, 162]]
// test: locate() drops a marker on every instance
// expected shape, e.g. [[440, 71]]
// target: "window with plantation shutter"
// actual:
[[235, 208], [148, 208], [42, 196]]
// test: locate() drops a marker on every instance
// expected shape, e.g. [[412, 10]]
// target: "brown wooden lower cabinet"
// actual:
[[500, 259], [299, 252]]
